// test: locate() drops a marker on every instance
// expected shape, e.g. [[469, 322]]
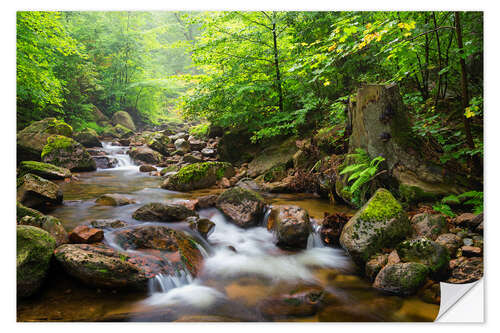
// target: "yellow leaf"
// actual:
[[331, 48], [407, 34], [469, 113], [368, 26], [390, 56], [327, 83], [401, 25]]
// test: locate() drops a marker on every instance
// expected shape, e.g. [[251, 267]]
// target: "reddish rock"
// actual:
[[468, 220], [84, 234], [393, 258], [451, 241], [471, 251], [291, 225], [189, 204]]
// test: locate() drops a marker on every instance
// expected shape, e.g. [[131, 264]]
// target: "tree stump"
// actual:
[[380, 125]]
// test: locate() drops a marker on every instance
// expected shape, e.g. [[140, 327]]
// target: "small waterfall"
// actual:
[[163, 283], [266, 216], [314, 239], [119, 153]]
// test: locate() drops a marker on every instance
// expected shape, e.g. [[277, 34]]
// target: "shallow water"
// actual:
[[232, 284]]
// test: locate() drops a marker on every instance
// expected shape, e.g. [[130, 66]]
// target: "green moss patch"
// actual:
[[382, 206], [56, 142]]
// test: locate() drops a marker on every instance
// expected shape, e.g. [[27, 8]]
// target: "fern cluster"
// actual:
[[362, 172], [470, 198]]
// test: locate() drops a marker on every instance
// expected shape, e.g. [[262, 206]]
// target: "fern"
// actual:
[[471, 198], [362, 172]]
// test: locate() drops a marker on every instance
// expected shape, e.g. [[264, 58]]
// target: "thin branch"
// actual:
[[255, 22]]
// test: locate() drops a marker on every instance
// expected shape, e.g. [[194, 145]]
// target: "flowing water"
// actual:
[[242, 267]]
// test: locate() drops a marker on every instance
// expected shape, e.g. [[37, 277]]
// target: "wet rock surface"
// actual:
[[162, 212], [244, 207]]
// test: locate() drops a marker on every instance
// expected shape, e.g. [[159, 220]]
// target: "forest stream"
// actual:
[[242, 268]]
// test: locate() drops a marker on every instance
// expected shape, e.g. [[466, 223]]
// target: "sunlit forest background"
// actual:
[[265, 73]]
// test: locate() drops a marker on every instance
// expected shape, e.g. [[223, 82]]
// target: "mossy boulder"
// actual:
[[198, 175], [402, 278], [22, 211], [428, 225], [144, 155], [36, 192], [170, 168], [380, 223], [123, 132], [124, 119], [427, 252], [162, 238], [160, 143], [291, 226], [244, 207], [273, 156], [34, 250], [99, 265], [32, 139], [88, 138], [45, 170], [67, 153], [48, 223], [160, 212]]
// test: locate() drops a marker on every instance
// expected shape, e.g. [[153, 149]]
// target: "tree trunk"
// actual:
[[277, 66], [463, 82], [381, 127]]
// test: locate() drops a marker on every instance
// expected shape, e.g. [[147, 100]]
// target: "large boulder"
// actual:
[[162, 238], [291, 226], [159, 212], [36, 192], [105, 162], [381, 126], [401, 278], [22, 211], [428, 225], [44, 170], [34, 250], [48, 223], [198, 175], [245, 208], [88, 138], [380, 223], [160, 143], [122, 132], [124, 119], [102, 266], [272, 157], [67, 153], [144, 155], [32, 139], [424, 251]]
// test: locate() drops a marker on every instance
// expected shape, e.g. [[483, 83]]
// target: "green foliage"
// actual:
[[200, 131], [475, 199], [361, 172]]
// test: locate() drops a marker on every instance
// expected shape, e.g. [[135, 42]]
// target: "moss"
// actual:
[[56, 142], [34, 250], [276, 173], [60, 127], [43, 169], [424, 251], [22, 211], [238, 194], [414, 194], [196, 171], [382, 206]]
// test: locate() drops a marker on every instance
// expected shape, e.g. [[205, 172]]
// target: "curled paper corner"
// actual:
[[457, 306]]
